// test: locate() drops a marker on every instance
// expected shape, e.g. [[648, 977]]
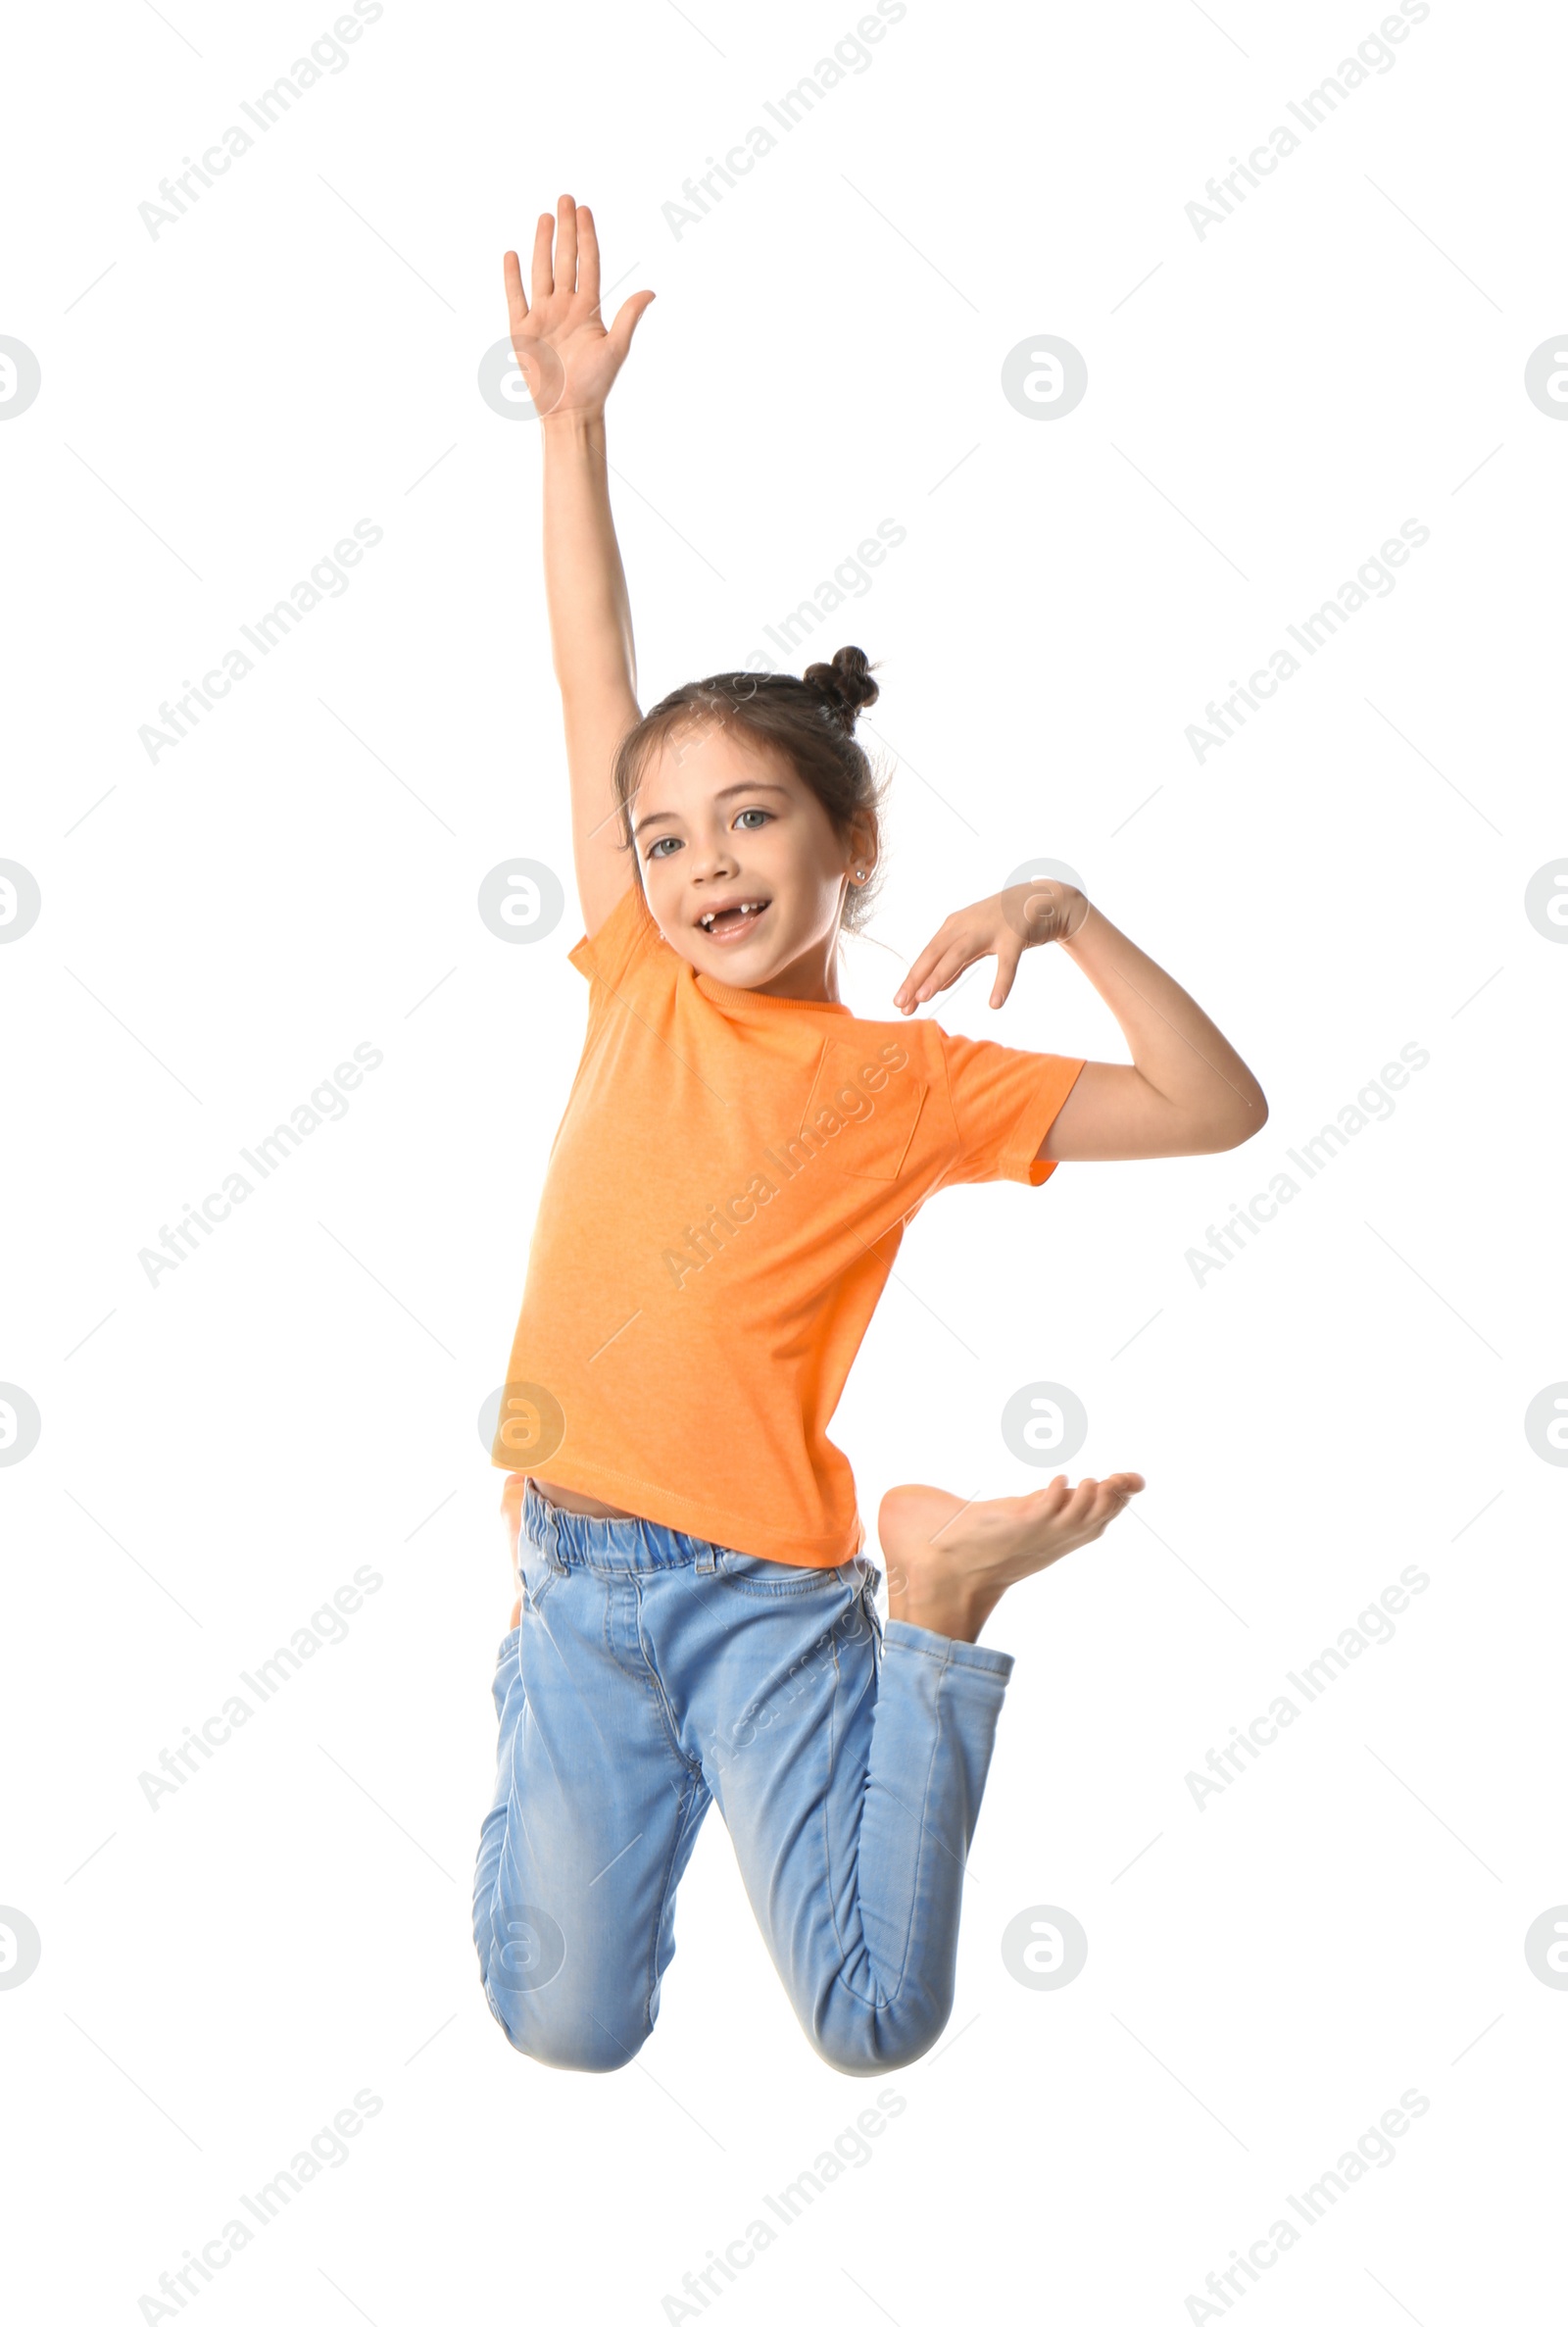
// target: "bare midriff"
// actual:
[[567, 1499]]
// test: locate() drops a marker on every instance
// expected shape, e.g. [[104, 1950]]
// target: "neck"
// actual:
[[813, 977]]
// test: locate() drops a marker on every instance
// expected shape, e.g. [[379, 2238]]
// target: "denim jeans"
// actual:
[[653, 1673]]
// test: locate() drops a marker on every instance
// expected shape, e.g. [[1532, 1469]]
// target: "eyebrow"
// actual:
[[667, 815]]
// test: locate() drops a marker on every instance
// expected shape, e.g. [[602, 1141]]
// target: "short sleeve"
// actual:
[[623, 941], [1004, 1103]]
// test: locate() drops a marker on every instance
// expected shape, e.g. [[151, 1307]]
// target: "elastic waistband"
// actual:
[[606, 1543], [566, 1537]]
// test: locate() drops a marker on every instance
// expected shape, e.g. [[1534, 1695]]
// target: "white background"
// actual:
[[222, 1974]]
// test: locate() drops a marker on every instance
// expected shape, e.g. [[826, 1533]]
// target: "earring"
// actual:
[[862, 874]]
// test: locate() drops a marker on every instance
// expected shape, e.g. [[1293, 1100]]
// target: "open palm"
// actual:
[[563, 351]]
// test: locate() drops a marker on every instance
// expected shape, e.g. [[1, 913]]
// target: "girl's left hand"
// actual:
[[1036, 912]]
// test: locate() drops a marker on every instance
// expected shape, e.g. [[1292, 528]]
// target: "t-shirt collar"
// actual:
[[729, 998]]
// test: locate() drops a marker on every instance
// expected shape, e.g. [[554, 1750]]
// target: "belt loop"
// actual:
[[705, 1559]]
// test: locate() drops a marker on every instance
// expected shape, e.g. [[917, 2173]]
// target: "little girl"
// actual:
[[724, 1201]]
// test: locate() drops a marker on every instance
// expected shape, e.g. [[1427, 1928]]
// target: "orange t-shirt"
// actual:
[[724, 1201]]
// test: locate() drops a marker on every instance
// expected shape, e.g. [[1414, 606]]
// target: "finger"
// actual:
[[542, 280], [516, 303], [934, 969], [925, 960], [951, 965], [1007, 960], [922, 963], [626, 322], [587, 255], [566, 244]]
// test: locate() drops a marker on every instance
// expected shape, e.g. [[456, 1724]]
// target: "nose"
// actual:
[[713, 858]]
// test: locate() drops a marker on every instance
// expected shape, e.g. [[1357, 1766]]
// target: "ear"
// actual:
[[863, 848]]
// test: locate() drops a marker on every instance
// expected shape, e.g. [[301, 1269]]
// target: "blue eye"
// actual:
[[754, 812], [666, 840]]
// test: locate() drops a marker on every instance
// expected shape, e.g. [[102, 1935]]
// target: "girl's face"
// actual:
[[742, 869]]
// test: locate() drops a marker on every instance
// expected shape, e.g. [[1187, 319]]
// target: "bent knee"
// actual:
[[884, 2059], [874, 2046], [563, 2038]]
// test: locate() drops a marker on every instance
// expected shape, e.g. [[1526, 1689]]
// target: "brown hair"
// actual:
[[809, 720]]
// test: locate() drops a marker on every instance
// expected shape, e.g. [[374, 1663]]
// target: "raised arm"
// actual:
[[569, 362], [1187, 1091]]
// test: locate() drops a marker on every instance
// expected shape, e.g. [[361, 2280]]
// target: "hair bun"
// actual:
[[844, 686]]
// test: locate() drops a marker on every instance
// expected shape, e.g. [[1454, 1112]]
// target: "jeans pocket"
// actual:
[[770, 1579], [534, 1571], [862, 1618]]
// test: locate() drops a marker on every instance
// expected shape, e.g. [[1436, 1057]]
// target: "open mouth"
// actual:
[[729, 923]]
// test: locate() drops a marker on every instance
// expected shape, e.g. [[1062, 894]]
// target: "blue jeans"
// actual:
[[653, 1673]]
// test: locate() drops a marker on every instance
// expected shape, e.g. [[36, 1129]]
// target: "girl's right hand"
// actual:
[[567, 357]]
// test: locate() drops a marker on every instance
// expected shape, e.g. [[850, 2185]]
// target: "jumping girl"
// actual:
[[725, 1198]]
